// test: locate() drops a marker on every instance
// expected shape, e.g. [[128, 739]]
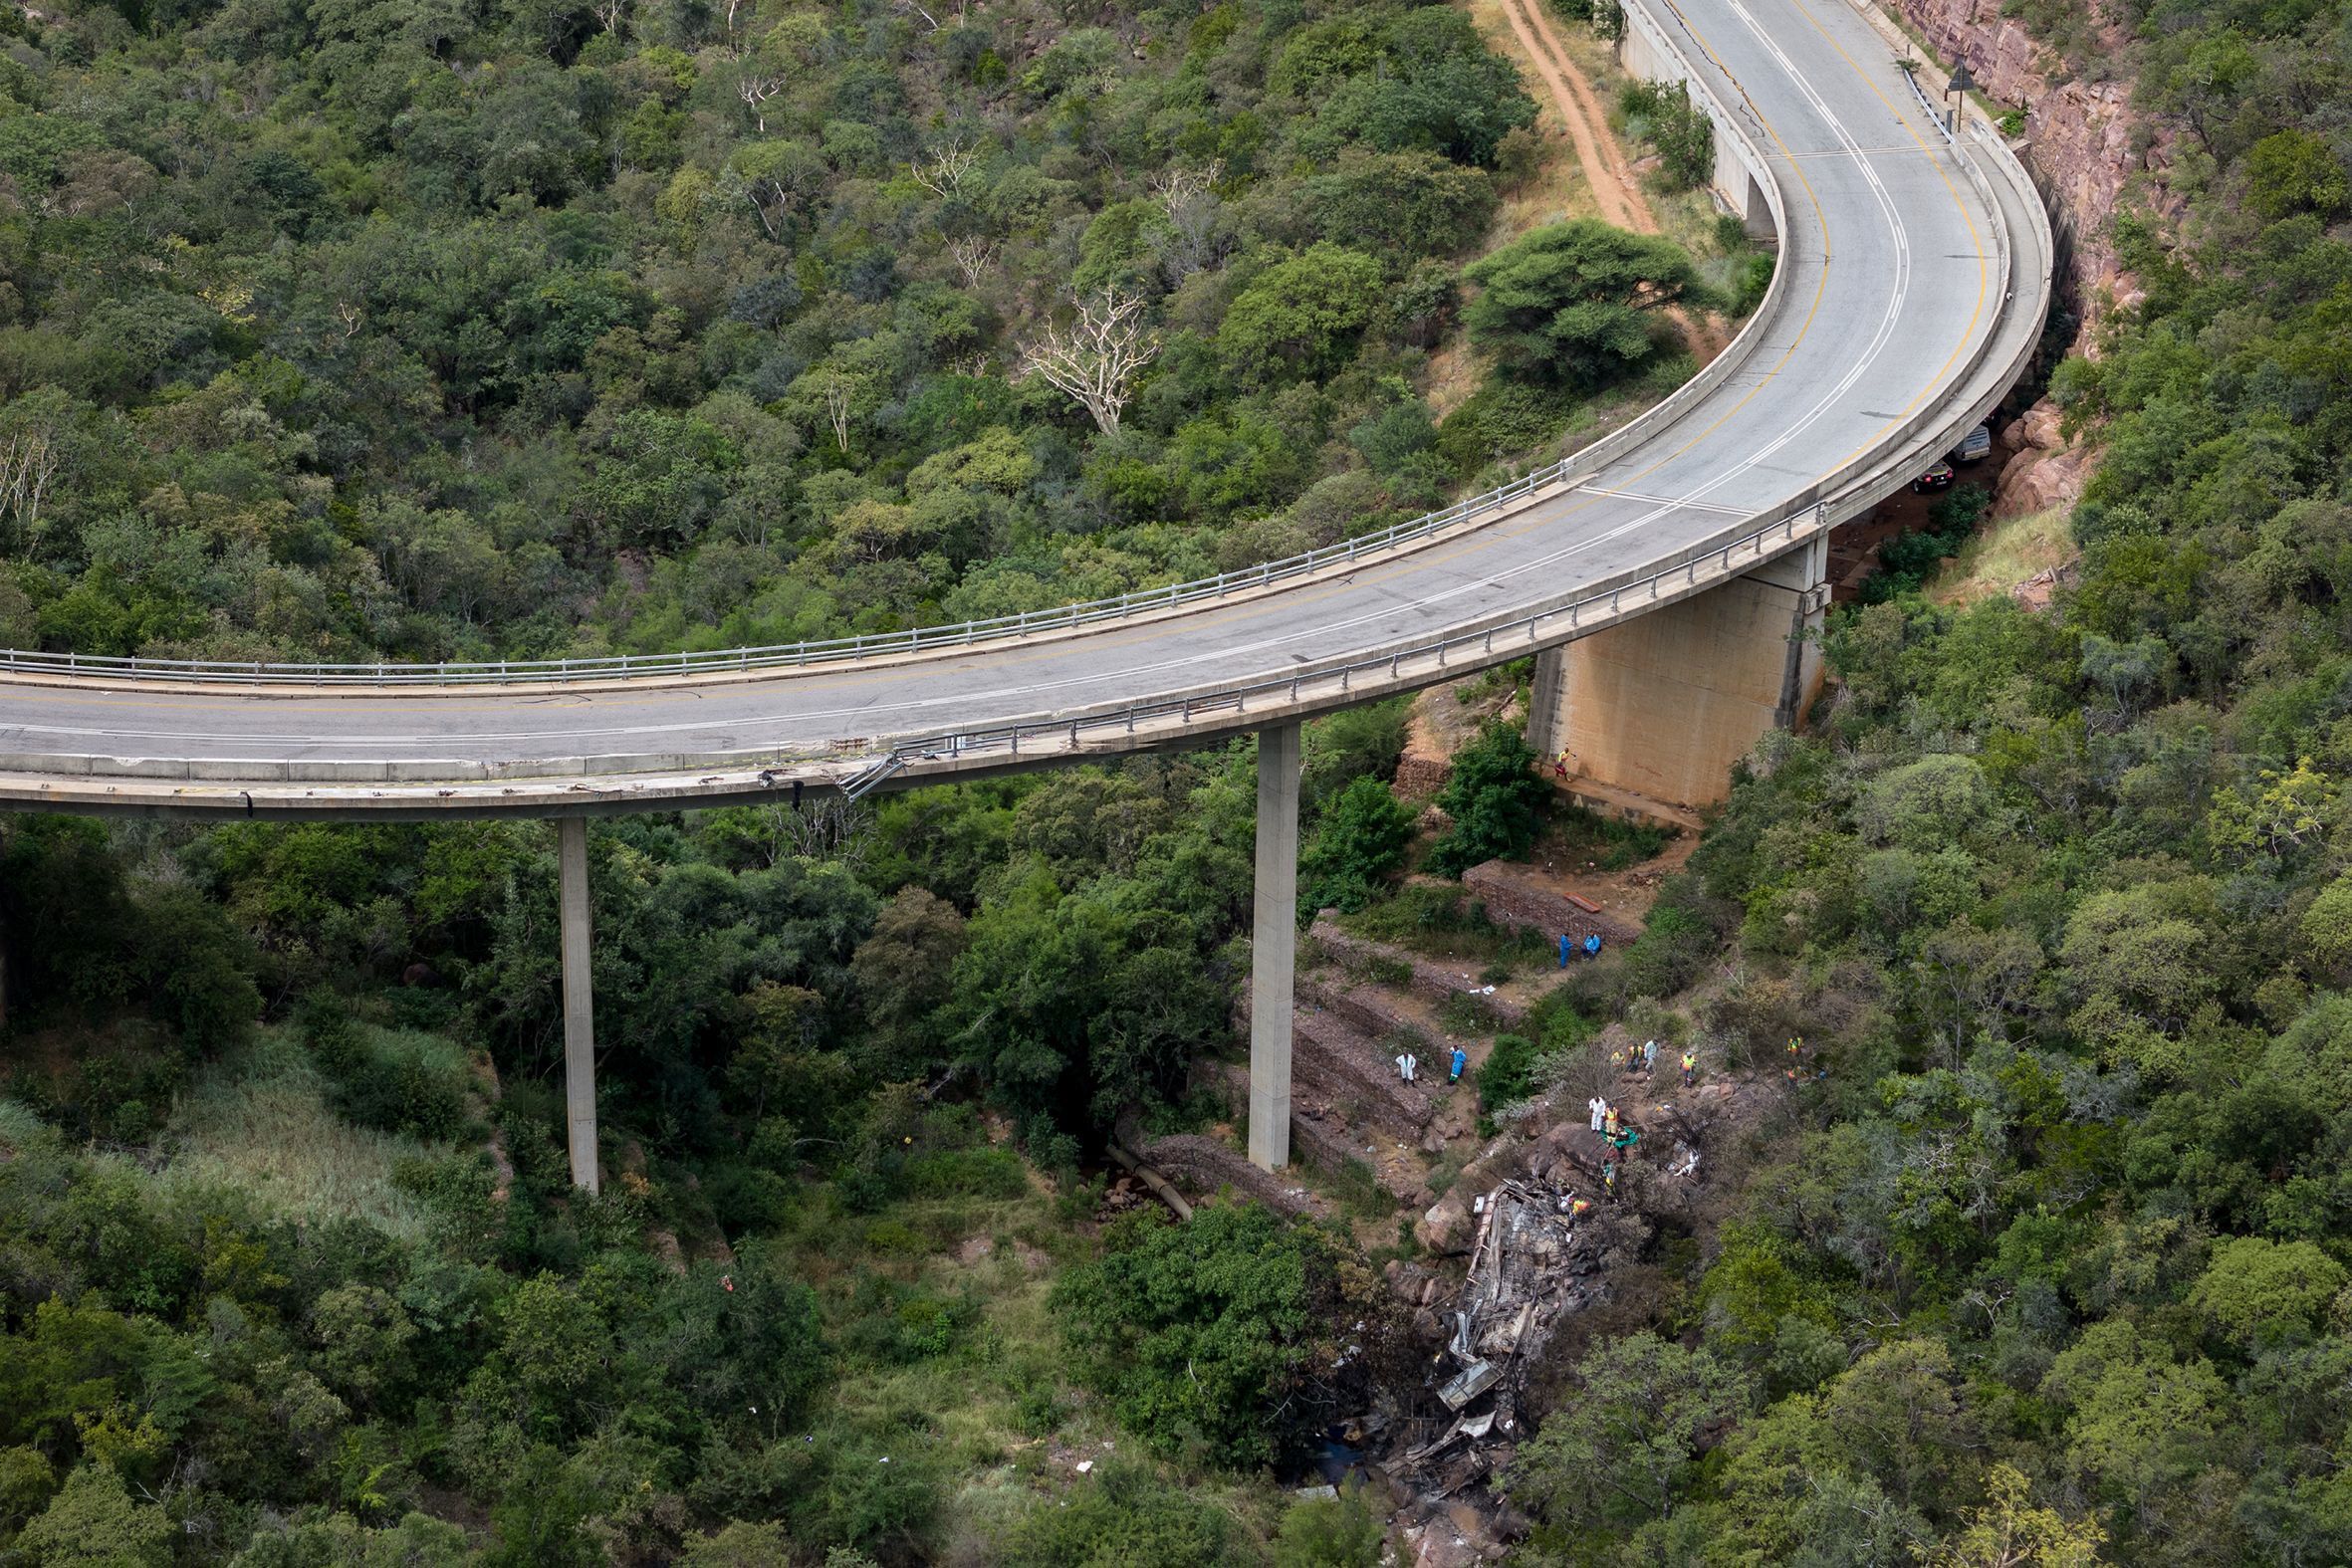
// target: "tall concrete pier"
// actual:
[[1274, 946], [580, 1030]]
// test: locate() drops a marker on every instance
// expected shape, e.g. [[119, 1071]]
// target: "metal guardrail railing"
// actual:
[[1584, 462], [1814, 510], [1581, 464], [1716, 560], [1705, 564]]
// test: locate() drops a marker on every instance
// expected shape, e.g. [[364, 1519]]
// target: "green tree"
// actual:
[[2327, 927], [2257, 1292], [1301, 317], [1494, 799], [341, 1541], [1362, 840], [905, 964], [1409, 203], [2139, 1422], [2009, 1532], [1626, 1449], [2290, 172], [94, 1523], [1678, 128], [1576, 303], [1206, 1336]]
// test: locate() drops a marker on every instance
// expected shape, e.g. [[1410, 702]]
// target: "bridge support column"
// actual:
[[1274, 946], [579, 1034], [1662, 706]]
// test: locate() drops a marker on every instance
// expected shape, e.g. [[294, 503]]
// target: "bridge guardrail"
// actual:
[[1815, 510]]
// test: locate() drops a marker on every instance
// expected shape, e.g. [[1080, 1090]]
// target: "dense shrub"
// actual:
[[1361, 843], [1576, 304], [1212, 1338], [1664, 115], [1494, 799], [1124, 1514]]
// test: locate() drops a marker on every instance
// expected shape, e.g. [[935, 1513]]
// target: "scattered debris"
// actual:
[[1529, 1268]]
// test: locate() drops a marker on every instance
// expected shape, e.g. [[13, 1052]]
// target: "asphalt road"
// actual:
[[1894, 290]]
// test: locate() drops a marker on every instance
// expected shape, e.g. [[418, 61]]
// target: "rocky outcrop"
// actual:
[[2085, 146], [2041, 469]]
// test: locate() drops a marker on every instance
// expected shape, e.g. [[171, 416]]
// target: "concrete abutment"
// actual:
[[1662, 706]]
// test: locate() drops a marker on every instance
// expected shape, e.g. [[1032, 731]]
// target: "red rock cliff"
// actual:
[[2085, 144]]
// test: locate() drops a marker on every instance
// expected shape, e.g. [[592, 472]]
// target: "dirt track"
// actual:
[[1605, 169], [1615, 187]]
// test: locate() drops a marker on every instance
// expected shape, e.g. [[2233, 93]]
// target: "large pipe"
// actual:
[[1151, 1179], [1274, 946], [579, 1032]]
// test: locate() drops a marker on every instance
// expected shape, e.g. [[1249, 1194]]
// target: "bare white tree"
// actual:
[[610, 13], [943, 172], [1192, 239], [755, 90], [930, 22], [975, 254], [28, 465], [1177, 184], [837, 389], [1096, 358]]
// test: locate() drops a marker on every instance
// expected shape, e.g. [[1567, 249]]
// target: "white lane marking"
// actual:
[[1662, 501], [1849, 153]]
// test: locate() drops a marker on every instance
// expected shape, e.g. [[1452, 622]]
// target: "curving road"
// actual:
[[1911, 289]]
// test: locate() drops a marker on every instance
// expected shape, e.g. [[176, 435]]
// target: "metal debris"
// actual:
[[1528, 1267], [1470, 1383]]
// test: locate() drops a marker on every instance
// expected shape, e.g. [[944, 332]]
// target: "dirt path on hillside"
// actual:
[[1615, 187]]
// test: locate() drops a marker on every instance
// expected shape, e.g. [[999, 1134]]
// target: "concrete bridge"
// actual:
[[1668, 574]]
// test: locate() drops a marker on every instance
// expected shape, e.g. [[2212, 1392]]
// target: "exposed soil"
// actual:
[[1624, 896], [1616, 188], [1437, 725]]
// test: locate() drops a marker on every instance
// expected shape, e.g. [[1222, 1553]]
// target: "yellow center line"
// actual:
[[1975, 240]]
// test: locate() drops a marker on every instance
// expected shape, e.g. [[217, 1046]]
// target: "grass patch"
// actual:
[[260, 1120], [2012, 551], [1463, 1013], [1355, 1186], [1576, 837], [1445, 923]]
